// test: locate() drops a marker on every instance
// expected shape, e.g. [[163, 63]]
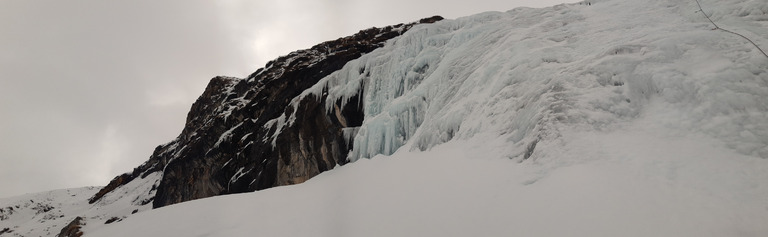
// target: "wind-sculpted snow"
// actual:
[[525, 73]]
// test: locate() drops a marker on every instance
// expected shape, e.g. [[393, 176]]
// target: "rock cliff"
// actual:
[[227, 145]]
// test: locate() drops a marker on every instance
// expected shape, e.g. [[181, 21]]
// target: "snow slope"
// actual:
[[46, 213], [622, 183], [42, 214], [614, 118]]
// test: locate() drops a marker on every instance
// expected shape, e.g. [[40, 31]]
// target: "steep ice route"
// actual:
[[526, 73]]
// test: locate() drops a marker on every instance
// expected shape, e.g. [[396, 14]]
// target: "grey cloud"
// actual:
[[88, 88]]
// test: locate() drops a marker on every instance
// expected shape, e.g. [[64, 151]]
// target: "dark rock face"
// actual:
[[73, 228], [226, 144], [115, 183], [113, 220]]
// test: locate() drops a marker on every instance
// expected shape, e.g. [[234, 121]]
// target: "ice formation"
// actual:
[[525, 73]]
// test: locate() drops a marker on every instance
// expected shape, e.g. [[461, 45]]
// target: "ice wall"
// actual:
[[527, 73]]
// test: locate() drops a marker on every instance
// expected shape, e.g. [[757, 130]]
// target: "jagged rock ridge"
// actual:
[[223, 147]]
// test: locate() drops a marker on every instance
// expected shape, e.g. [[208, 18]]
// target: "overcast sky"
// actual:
[[89, 88]]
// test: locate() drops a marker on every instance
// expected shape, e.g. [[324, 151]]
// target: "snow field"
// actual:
[[633, 181], [46, 213]]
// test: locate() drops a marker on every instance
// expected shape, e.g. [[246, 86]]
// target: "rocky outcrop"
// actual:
[[116, 182], [227, 146], [73, 228]]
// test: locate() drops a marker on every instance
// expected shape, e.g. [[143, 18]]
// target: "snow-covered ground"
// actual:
[[633, 181], [613, 118], [46, 213]]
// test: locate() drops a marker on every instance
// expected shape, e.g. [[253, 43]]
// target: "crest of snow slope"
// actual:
[[636, 117], [46, 213]]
